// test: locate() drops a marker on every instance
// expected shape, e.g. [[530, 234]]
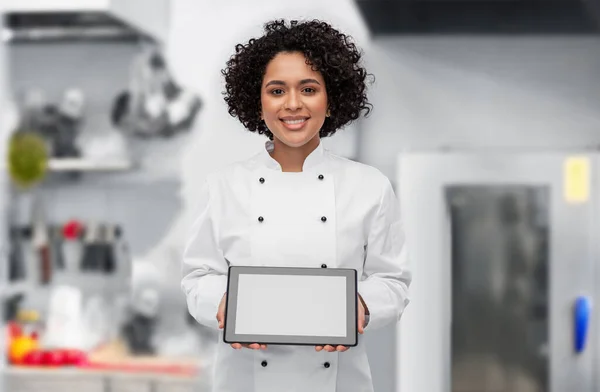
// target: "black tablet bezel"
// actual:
[[351, 338]]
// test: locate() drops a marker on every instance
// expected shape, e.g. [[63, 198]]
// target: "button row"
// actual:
[[323, 219], [326, 365], [262, 179]]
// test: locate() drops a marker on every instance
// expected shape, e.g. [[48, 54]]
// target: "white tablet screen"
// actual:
[[291, 305]]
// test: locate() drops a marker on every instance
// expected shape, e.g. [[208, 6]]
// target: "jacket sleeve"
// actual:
[[386, 272], [204, 267]]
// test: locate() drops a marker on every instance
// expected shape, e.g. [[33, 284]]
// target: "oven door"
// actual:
[[503, 248]]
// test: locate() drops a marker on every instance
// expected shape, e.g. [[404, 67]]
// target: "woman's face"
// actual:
[[293, 99]]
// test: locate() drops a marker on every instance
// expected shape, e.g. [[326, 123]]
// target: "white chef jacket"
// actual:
[[335, 213]]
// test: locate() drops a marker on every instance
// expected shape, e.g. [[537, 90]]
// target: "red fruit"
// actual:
[[14, 330], [33, 358], [53, 358], [72, 229], [75, 357]]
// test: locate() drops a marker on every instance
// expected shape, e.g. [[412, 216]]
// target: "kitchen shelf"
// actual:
[[13, 288], [151, 21], [88, 165], [54, 5]]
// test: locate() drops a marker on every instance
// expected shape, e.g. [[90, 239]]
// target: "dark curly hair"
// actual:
[[327, 51]]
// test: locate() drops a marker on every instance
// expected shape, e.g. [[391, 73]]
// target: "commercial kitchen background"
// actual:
[[458, 84]]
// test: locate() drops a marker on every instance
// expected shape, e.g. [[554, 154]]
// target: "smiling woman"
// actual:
[[333, 58], [294, 101], [295, 204], [296, 84]]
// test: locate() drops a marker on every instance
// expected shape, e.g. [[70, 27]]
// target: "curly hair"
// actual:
[[327, 51]]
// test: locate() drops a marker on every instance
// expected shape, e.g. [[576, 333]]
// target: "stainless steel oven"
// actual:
[[504, 247]]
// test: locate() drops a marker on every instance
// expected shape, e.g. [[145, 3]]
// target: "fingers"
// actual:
[[252, 346], [221, 312], [331, 349], [361, 323], [361, 317]]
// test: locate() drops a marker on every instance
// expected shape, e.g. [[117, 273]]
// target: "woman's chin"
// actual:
[[296, 139]]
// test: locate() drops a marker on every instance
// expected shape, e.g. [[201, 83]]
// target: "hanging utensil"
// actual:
[[40, 242], [91, 259], [16, 267], [72, 233], [56, 241], [110, 264]]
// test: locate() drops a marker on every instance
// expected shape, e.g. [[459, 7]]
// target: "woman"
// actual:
[[296, 204]]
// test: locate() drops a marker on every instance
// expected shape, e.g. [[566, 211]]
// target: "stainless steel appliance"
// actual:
[[504, 247]]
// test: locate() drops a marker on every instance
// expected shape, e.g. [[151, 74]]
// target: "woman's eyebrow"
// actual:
[[282, 83], [275, 82], [306, 81]]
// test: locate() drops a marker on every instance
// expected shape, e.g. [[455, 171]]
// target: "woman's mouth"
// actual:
[[294, 124]]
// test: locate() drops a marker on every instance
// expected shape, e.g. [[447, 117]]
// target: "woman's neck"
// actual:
[[291, 159]]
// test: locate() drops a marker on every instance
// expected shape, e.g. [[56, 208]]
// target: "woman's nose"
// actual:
[[293, 101]]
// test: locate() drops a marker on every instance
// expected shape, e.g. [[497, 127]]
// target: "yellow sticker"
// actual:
[[577, 180]]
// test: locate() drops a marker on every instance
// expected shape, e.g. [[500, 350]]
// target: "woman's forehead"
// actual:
[[290, 67]]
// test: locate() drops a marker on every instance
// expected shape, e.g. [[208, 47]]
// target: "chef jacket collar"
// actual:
[[314, 159]]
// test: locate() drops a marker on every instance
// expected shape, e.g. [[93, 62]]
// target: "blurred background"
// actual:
[[486, 120]]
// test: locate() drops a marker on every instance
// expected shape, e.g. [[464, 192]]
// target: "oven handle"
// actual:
[[581, 319]]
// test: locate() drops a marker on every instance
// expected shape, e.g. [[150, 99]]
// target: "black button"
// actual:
[[264, 363], [260, 219], [326, 364], [323, 219], [323, 265], [321, 176], [262, 180]]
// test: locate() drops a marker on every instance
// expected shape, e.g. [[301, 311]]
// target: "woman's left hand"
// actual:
[[361, 329]]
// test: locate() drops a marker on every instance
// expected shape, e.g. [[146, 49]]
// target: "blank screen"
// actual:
[[291, 305]]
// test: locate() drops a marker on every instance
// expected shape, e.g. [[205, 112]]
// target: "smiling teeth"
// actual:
[[294, 121]]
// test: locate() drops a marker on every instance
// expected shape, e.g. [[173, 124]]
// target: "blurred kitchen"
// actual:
[[486, 120]]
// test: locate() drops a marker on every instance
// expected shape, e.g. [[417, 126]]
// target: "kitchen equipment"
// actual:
[[16, 267], [92, 249], [41, 242], [72, 245]]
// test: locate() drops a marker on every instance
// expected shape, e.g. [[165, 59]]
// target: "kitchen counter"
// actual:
[[30, 379], [111, 370]]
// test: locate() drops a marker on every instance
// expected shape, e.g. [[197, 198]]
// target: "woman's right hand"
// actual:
[[221, 320]]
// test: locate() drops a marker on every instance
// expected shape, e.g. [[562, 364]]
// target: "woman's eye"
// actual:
[[309, 90], [277, 91]]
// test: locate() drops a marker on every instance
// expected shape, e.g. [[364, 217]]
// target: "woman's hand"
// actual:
[[361, 328], [221, 320]]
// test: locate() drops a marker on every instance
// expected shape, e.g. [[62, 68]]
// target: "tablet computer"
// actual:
[[291, 306]]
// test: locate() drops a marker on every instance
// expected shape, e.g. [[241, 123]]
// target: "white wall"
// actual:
[[486, 92], [151, 17]]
